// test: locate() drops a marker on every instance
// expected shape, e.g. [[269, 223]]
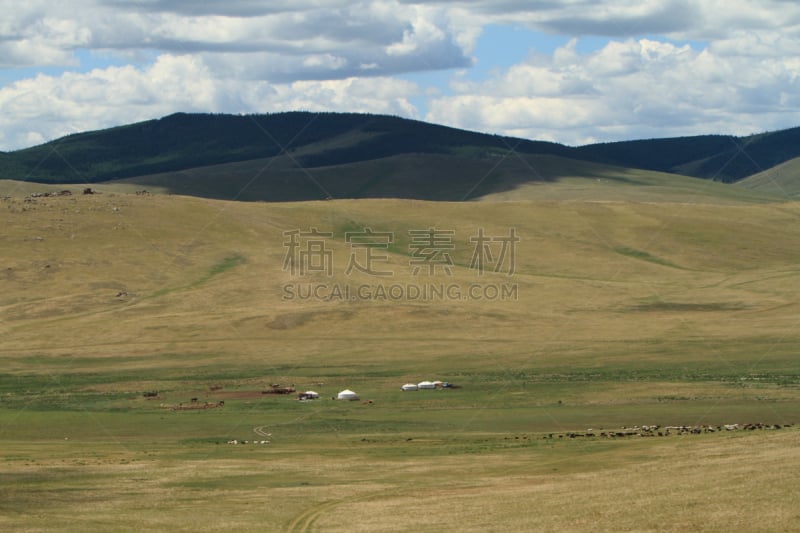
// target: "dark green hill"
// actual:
[[718, 157], [361, 155], [183, 141]]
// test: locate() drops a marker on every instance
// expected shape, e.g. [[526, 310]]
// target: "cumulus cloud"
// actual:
[[46, 107], [620, 18], [224, 7], [629, 89], [669, 66], [384, 33], [678, 19]]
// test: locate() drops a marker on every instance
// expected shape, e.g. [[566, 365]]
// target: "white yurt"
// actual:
[[347, 394], [423, 385], [310, 395], [409, 387]]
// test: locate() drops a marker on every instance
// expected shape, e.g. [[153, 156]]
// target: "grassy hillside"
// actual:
[[625, 314], [572, 180], [440, 177], [781, 181], [617, 263]]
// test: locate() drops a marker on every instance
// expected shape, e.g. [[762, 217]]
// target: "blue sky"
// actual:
[[575, 71]]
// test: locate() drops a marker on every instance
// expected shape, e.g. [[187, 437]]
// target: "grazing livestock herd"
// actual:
[[654, 430], [647, 430], [194, 405], [659, 431]]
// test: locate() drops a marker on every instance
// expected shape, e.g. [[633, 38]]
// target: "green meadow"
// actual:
[[678, 310]]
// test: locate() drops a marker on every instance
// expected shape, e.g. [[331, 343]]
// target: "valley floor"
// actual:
[[122, 314]]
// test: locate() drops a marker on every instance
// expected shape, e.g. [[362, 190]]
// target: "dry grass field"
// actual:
[[676, 311]]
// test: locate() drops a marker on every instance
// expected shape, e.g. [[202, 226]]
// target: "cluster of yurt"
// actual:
[[346, 394], [422, 385]]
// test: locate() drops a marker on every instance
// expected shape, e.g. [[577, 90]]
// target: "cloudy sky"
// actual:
[[572, 71]]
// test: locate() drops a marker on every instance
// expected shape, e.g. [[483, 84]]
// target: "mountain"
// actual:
[[309, 156], [182, 141], [717, 157]]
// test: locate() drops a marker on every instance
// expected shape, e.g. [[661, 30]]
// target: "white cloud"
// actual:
[[48, 107], [703, 20], [24, 52], [740, 73], [630, 89], [362, 95], [382, 32]]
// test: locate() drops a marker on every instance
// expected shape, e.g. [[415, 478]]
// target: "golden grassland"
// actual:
[[707, 483], [627, 312]]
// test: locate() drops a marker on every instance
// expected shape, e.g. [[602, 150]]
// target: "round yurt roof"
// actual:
[[347, 393]]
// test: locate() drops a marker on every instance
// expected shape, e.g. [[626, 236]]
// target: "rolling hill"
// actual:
[[182, 141], [440, 177], [782, 180], [717, 157], [310, 156]]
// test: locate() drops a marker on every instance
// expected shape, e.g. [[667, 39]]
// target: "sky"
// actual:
[[571, 71]]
